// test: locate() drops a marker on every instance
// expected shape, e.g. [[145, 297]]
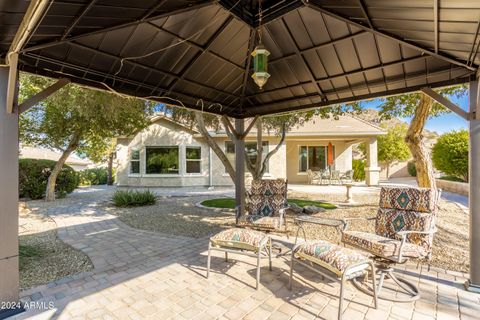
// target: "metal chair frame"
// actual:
[[352, 272]]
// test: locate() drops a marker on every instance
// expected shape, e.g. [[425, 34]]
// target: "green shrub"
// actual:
[[133, 198], [358, 167], [412, 169], [451, 178], [33, 177], [93, 177], [450, 154]]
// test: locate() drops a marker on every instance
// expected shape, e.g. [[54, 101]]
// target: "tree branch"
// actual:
[[214, 146], [250, 126], [228, 125], [271, 153]]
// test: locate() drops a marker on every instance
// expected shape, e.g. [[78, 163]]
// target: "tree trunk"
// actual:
[[214, 146], [52, 179], [110, 169], [416, 144], [388, 170]]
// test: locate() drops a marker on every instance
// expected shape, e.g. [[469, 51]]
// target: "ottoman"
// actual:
[[333, 262], [244, 242]]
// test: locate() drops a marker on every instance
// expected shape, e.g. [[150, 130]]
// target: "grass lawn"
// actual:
[[229, 203]]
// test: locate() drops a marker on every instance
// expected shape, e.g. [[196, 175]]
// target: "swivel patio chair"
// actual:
[[266, 205], [404, 229]]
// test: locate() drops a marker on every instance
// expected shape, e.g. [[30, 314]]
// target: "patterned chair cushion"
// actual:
[[238, 238], [259, 221], [329, 256], [381, 246], [391, 221], [412, 199], [267, 197]]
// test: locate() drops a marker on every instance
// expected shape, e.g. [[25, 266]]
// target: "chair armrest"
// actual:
[[404, 234], [347, 220], [407, 232]]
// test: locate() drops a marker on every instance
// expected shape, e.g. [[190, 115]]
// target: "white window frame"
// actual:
[[130, 160], [267, 146], [194, 160]]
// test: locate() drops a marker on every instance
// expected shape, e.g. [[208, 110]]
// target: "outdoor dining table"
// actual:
[[329, 222]]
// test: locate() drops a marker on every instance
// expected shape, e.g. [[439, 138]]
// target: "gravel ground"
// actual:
[[180, 216], [53, 259], [176, 216]]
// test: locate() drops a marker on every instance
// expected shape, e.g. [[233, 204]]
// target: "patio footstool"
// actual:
[[242, 241], [334, 262]]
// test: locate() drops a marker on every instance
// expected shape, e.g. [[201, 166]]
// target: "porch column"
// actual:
[[474, 197], [372, 170], [240, 168], [9, 275]]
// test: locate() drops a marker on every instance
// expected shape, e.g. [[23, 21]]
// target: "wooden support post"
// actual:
[[474, 197], [9, 274], [240, 168]]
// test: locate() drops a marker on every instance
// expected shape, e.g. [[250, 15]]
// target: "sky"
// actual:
[[441, 124]]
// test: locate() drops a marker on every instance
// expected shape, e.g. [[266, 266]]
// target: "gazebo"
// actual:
[[181, 52]]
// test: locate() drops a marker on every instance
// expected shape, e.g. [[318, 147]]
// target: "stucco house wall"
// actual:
[[167, 133]]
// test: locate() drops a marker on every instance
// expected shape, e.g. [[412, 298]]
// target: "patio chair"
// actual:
[[404, 229], [347, 177], [335, 177], [325, 175], [266, 205], [313, 177]]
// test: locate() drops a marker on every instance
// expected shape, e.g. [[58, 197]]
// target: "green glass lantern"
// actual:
[[260, 65]]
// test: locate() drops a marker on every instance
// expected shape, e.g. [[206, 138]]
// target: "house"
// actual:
[[73, 161], [167, 153]]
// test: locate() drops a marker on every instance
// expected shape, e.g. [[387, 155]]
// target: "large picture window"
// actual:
[[313, 158], [135, 162], [193, 157], [161, 160], [250, 147]]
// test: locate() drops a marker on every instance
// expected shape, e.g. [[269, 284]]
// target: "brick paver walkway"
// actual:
[[145, 275]]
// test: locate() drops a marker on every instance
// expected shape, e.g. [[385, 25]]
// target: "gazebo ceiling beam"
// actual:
[[210, 41], [316, 47], [203, 49], [77, 19], [473, 51], [363, 86], [265, 110], [147, 67], [363, 8], [435, 25], [116, 27], [310, 74], [375, 31], [251, 44], [114, 78], [346, 74], [153, 9]]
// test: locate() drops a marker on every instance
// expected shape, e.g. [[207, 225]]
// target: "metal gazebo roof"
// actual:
[[322, 52]]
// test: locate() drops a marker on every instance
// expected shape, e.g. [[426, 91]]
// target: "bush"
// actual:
[[33, 177], [93, 177], [450, 154], [412, 169], [131, 198], [358, 167], [451, 178]]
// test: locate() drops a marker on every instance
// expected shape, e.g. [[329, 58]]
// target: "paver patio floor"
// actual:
[[139, 274]]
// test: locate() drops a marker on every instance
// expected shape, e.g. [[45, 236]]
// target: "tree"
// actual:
[[421, 107], [76, 119], [450, 154], [391, 147]]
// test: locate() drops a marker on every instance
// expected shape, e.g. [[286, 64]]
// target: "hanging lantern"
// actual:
[[260, 65]]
